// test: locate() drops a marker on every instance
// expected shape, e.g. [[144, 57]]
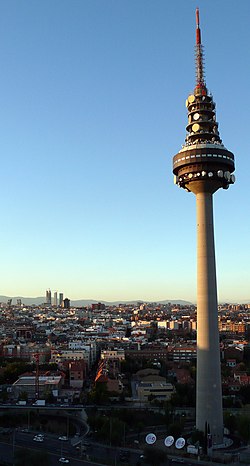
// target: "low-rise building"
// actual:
[[28, 384], [65, 355], [159, 390], [77, 373], [115, 353]]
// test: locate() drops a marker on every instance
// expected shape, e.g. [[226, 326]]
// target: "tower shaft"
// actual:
[[209, 395]]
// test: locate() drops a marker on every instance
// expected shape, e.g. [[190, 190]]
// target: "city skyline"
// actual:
[[90, 96]]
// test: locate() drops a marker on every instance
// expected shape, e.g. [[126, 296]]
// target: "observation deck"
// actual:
[[203, 157]]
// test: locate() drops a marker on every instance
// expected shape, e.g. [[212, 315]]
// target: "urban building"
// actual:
[[116, 353], [64, 355], [27, 384], [55, 302], [66, 303], [48, 297], [157, 390], [60, 299], [77, 373]]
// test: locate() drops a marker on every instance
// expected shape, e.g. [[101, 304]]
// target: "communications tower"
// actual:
[[203, 166]]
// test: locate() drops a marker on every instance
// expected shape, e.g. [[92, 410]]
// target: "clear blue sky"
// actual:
[[92, 110]]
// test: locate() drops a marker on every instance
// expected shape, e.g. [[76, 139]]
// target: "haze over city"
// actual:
[[92, 111]]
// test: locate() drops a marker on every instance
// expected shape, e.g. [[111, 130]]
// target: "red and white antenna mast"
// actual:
[[200, 75]]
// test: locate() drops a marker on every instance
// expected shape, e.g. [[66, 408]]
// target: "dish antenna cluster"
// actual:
[[168, 442]]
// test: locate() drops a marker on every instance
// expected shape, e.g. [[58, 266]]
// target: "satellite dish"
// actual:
[[150, 439], [180, 442], [195, 127], [191, 98], [169, 441]]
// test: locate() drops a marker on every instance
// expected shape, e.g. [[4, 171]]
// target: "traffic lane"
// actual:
[[6, 451], [181, 462], [6, 455], [98, 452], [64, 448], [60, 447]]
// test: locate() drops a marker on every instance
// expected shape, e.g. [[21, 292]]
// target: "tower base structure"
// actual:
[[209, 413]]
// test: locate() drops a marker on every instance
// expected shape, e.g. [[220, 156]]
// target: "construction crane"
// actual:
[[33, 357]]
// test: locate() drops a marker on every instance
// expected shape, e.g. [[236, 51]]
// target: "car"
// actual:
[[63, 460], [62, 437], [41, 436], [38, 439]]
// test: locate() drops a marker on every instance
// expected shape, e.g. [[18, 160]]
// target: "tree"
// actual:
[[168, 416], [48, 395], [14, 369], [4, 395], [184, 395], [99, 394], [175, 429], [230, 422], [245, 394], [24, 457], [109, 429], [243, 427], [23, 396], [197, 436], [154, 456]]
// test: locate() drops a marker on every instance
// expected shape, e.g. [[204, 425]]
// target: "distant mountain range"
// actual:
[[87, 302]]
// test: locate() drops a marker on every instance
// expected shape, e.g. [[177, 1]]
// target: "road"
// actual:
[[56, 448]]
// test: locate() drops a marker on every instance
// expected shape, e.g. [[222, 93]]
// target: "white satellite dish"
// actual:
[[150, 439], [180, 442], [169, 441]]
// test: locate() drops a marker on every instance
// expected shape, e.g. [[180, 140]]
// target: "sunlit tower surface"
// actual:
[[203, 166], [48, 297], [55, 302]]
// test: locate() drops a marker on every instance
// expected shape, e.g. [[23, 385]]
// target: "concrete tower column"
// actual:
[[209, 395]]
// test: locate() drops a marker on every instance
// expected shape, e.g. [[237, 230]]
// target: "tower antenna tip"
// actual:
[[197, 17], [198, 31]]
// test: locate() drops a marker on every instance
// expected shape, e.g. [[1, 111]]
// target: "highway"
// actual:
[[56, 448], [7, 406]]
